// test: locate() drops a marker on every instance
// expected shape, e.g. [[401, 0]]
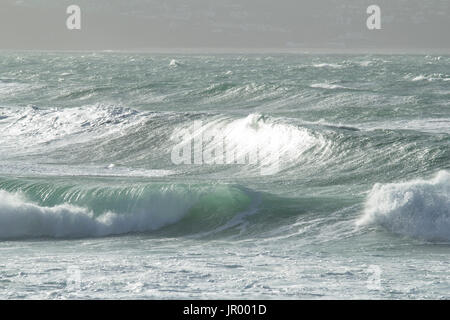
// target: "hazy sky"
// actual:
[[407, 25]]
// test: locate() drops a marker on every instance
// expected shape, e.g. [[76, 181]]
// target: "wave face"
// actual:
[[418, 208], [70, 211]]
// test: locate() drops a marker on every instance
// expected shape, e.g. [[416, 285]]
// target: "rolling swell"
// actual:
[[103, 134], [138, 141]]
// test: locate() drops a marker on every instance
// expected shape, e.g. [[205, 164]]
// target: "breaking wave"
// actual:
[[418, 208], [34, 210]]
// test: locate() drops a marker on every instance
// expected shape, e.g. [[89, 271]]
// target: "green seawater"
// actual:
[[340, 175]]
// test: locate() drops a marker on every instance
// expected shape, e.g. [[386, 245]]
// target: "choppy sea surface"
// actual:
[[224, 176]]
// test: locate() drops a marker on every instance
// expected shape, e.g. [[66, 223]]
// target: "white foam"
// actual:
[[327, 86], [419, 78], [418, 208], [20, 218], [284, 140], [327, 65], [26, 127], [429, 77], [365, 63], [268, 142], [11, 88], [174, 63]]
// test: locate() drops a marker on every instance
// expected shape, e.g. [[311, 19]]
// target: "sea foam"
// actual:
[[269, 143], [418, 208], [327, 86]]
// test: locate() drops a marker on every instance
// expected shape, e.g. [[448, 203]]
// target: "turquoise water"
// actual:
[[224, 176]]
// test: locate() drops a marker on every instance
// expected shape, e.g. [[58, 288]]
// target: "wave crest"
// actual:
[[418, 208]]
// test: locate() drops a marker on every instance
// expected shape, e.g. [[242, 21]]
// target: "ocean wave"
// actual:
[[251, 92], [83, 93], [33, 125], [269, 144], [433, 125], [72, 212], [327, 86], [103, 134], [107, 170], [174, 63], [11, 88], [365, 63], [428, 77], [418, 208], [328, 65]]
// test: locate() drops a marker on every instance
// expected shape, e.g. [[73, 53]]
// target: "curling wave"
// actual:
[[33, 210]]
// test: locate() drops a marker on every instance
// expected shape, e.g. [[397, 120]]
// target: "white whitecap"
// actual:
[[418, 208]]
